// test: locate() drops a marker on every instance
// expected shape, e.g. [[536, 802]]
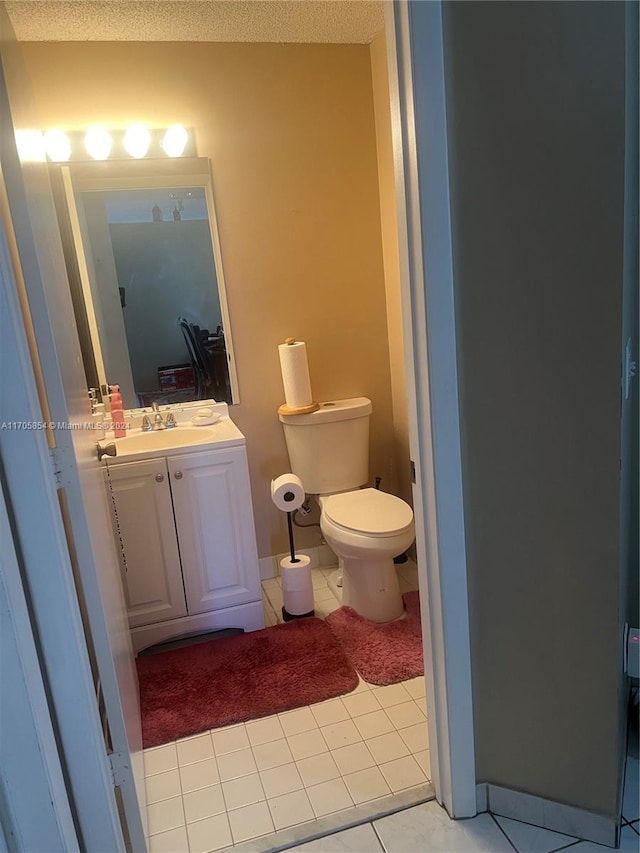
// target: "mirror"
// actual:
[[149, 298]]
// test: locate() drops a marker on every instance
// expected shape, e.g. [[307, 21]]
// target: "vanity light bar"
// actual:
[[134, 142]]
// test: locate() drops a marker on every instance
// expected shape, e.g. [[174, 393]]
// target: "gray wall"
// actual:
[[168, 271], [536, 120]]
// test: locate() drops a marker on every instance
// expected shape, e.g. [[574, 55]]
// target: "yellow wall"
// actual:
[[291, 136]]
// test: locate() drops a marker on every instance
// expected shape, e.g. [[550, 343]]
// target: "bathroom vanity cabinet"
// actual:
[[184, 531]]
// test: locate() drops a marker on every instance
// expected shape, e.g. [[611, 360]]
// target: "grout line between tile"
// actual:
[[377, 835], [503, 832]]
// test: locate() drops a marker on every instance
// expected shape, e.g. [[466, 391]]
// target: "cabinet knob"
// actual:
[[159, 478], [178, 475]]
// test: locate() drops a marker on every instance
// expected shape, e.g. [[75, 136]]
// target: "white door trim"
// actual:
[[31, 491], [34, 808], [418, 113]]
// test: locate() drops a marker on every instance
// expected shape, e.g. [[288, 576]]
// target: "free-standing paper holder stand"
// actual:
[[297, 586]]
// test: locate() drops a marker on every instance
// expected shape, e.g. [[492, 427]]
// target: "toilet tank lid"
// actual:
[[332, 410]]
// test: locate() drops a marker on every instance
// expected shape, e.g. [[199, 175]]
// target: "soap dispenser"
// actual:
[[117, 412]]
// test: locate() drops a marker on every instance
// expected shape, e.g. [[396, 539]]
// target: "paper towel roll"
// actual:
[[297, 586], [287, 492], [295, 374]]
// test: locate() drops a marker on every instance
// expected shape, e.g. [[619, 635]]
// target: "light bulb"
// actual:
[[98, 143], [57, 145], [30, 146], [175, 140], [136, 140]]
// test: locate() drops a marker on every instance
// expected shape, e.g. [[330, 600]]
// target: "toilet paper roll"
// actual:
[[287, 492], [297, 586], [295, 374]]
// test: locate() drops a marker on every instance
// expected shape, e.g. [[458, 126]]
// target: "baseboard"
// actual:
[[482, 797], [322, 557], [548, 814]]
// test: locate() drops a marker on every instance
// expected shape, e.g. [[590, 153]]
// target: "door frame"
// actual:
[[419, 130], [420, 150]]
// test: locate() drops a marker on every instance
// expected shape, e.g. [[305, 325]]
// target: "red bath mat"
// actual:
[[382, 654], [219, 682]]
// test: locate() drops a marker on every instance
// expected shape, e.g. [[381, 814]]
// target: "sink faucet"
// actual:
[[157, 421]]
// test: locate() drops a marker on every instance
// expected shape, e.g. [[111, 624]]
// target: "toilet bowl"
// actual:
[[367, 528]]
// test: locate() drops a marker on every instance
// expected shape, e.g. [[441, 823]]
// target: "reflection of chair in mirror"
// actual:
[[197, 362], [209, 360]]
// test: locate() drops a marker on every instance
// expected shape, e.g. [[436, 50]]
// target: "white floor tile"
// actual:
[[631, 802], [272, 754], [394, 694], [250, 822], [359, 839], [416, 737], [405, 714], [300, 720], [422, 704], [628, 844], [402, 773], [341, 734], [159, 759], [290, 809], [200, 775], [321, 594], [366, 785], [306, 744], [205, 802], [264, 731], [173, 841], [352, 758], [162, 786], [243, 791], [363, 702], [317, 769], [327, 713], [362, 686], [212, 833], [329, 797], [235, 764], [167, 814], [324, 608], [281, 780], [427, 828], [532, 839], [194, 749], [387, 747], [230, 740], [424, 761], [415, 687], [373, 725]]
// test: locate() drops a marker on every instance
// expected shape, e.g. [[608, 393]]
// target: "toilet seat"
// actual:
[[368, 511]]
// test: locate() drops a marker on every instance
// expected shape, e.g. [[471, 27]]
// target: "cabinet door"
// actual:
[[152, 579], [214, 519]]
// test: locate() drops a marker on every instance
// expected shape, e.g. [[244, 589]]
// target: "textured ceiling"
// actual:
[[321, 21]]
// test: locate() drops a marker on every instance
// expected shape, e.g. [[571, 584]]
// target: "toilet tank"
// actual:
[[329, 448]]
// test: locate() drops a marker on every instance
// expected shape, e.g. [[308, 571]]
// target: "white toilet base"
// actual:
[[371, 588]]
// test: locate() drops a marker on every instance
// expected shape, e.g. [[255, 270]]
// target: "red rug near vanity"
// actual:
[[382, 654], [220, 682]]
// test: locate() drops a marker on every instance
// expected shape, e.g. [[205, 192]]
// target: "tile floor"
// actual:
[[229, 785], [427, 829]]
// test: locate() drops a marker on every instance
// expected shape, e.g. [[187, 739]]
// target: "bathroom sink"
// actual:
[[181, 439]]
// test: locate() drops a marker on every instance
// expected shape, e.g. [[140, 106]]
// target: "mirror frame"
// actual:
[[73, 178]]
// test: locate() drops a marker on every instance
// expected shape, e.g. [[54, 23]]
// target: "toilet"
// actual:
[[329, 450]]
